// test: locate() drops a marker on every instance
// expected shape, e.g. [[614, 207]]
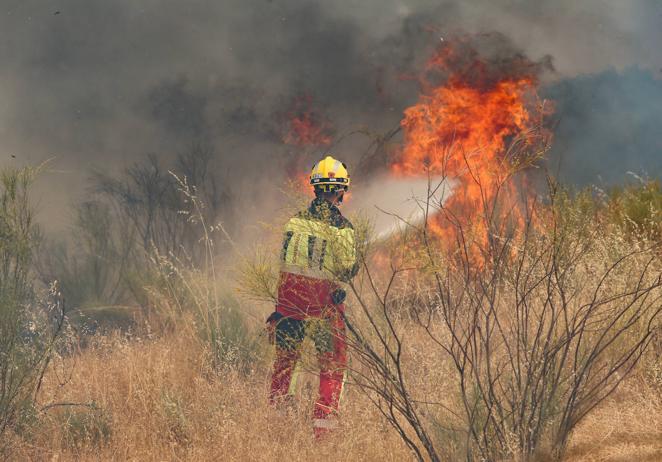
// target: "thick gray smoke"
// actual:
[[609, 127], [95, 83]]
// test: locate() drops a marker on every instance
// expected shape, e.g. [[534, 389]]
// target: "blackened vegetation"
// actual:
[[132, 216]]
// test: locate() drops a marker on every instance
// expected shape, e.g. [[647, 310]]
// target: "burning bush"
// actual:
[[305, 126], [526, 345], [531, 312], [482, 123]]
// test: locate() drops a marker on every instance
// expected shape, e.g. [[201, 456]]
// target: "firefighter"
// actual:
[[317, 256]]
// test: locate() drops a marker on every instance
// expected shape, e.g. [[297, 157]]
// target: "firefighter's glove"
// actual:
[[271, 323], [338, 296]]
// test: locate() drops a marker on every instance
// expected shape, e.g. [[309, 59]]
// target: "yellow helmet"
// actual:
[[329, 174]]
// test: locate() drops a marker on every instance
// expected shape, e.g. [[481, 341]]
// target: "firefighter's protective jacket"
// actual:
[[319, 252]]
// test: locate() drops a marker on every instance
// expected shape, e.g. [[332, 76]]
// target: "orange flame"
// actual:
[[305, 127], [461, 130]]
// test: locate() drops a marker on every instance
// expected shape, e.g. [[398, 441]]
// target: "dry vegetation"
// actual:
[[189, 379], [157, 399]]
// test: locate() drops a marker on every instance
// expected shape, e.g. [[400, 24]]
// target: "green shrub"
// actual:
[[28, 331], [84, 426], [638, 208]]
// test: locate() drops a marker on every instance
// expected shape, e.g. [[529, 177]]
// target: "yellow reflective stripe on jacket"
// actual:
[[316, 247]]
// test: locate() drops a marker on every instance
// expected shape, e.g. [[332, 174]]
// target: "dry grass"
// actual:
[[628, 427], [157, 399]]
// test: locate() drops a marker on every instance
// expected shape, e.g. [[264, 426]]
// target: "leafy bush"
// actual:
[[638, 208], [28, 332]]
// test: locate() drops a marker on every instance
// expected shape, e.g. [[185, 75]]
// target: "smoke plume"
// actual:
[[92, 83]]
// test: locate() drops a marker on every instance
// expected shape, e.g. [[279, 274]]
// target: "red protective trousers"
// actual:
[[332, 357]]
